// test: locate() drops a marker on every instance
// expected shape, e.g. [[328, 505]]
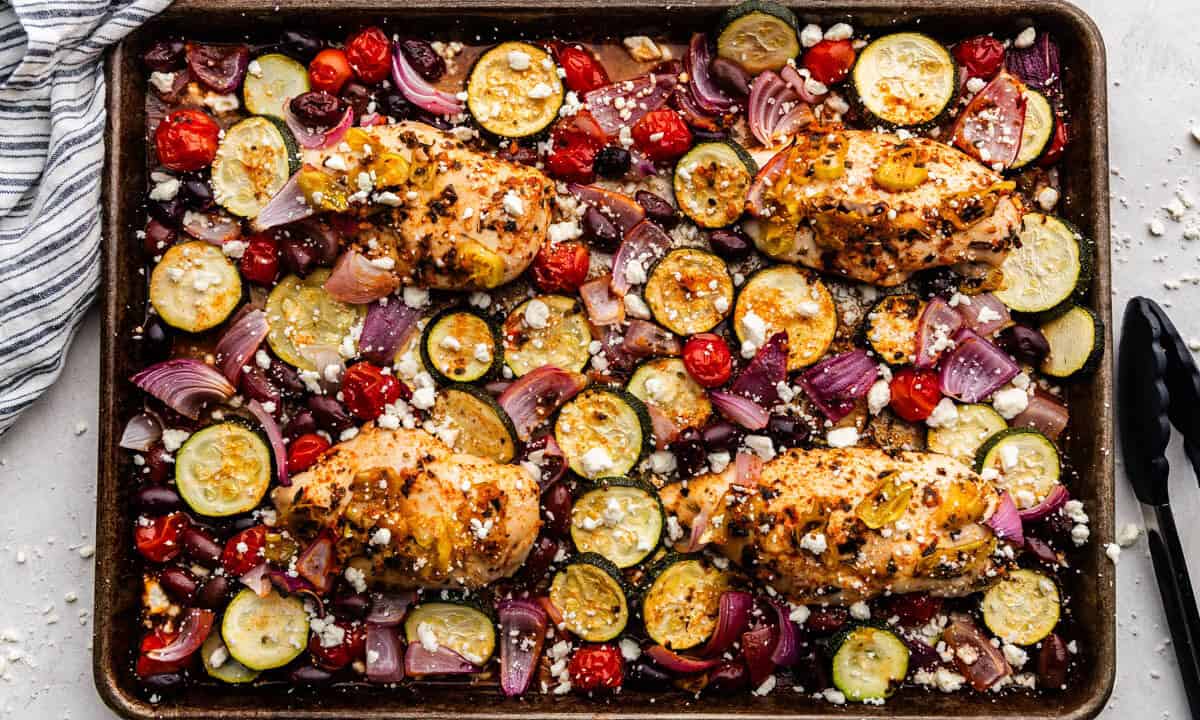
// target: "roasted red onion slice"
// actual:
[[835, 383], [522, 633], [620, 208], [220, 67], [1045, 414], [357, 280], [239, 342], [790, 75], [385, 654], [676, 663], [989, 664], [975, 368], [387, 326], [309, 138], [213, 227], [701, 86], [776, 109], [419, 92], [258, 579], [287, 206], [317, 563], [1055, 499], [419, 662], [645, 339], [644, 245], [984, 314], [536, 395], [603, 306], [759, 381], [184, 385], [1006, 521], [640, 95], [787, 646], [740, 410], [757, 646], [935, 331], [990, 127], [142, 432], [193, 631], [665, 429], [733, 617], [275, 436], [389, 607]]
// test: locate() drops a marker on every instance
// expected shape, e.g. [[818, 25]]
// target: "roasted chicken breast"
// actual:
[[412, 513], [842, 525], [875, 208]]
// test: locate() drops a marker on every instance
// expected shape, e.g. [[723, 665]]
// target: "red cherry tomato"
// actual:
[[981, 56], [186, 140], [561, 267], [915, 393], [707, 359], [244, 551], [582, 71], [830, 61], [339, 655], [157, 539], [596, 667], [573, 147], [369, 52], [365, 390], [260, 260], [329, 71], [147, 666], [304, 451], [662, 134], [1058, 143]]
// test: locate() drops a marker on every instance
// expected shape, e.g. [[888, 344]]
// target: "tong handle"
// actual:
[[1179, 601]]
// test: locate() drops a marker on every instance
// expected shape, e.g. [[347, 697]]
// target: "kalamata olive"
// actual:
[[329, 414], [285, 378], [310, 675], [301, 44], [913, 608], [823, 620], [612, 162], [811, 671], [157, 499], [730, 76], [731, 243], [317, 109], [424, 59], [214, 592], [657, 209], [219, 67], [520, 153], [357, 96], [200, 547], [787, 431], [179, 583], [255, 385], [939, 281], [644, 676], [163, 683], [297, 255], [197, 193], [158, 238], [165, 55], [302, 423], [690, 455], [599, 230], [350, 606], [556, 510], [167, 212], [1041, 550], [721, 436], [394, 105], [1053, 660], [156, 336], [1027, 344], [729, 676], [540, 558], [159, 464]]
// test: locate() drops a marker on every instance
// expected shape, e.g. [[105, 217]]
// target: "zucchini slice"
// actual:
[[559, 337], [254, 160], [220, 665], [1076, 341], [459, 626], [1022, 608], [892, 327], [689, 291], [514, 90], [460, 346], [223, 470], [1026, 464], [1038, 130], [264, 633], [1052, 266], [603, 431], [619, 519], [480, 426], [682, 605], [591, 595], [666, 385], [869, 663], [195, 287], [786, 298], [711, 182], [277, 79], [302, 315], [759, 36], [905, 79], [976, 423]]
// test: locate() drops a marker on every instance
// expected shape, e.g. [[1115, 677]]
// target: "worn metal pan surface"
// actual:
[[1085, 182]]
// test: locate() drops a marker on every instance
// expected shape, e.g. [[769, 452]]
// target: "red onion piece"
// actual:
[[1038, 66], [762, 108], [552, 460], [288, 205], [790, 75], [385, 329], [419, 92], [1044, 414], [239, 342], [645, 339], [419, 662], [258, 579], [294, 584], [989, 306], [990, 664], [756, 196], [311, 139], [184, 385], [694, 115], [1055, 499], [213, 227], [757, 647], [620, 208], [357, 280], [759, 381], [1006, 521], [603, 306], [324, 357], [990, 127], [975, 368], [835, 383], [787, 647], [193, 631], [641, 95], [733, 617], [142, 432], [317, 564], [220, 67], [799, 116], [389, 607], [385, 654], [701, 86], [937, 324], [275, 437], [700, 525], [536, 396], [645, 243], [676, 663], [740, 410], [522, 634], [665, 429]]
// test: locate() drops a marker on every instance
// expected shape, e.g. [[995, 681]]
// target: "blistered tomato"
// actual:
[[244, 551], [581, 70], [596, 667], [304, 451], [186, 140], [981, 56], [830, 61], [329, 70], [561, 267], [707, 359], [147, 666], [366, 389], [662, 134], [369, 53], [1058, 143], [260, 260], [915, 393], [157, 539], [573, 147]]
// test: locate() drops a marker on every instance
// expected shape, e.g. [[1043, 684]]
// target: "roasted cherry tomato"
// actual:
[[186, 140], [157, 539], [260, 260], [981, 56], [329, 70], [915, 393], [244, 551], [147, 666], [369, 52], [304, 451], [561, 267], [582, 71], [1058, 143], [707, 359], [365, 390], [662, 134], [596, 667], [340, 654], [573, 147], [830, 61]]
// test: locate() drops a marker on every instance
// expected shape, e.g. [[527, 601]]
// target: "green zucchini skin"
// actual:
[[431, 328], [856, 96], [1088, 354]]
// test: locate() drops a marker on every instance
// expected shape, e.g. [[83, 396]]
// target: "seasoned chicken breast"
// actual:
[[842, 525], [875, 208], [412, 513], [447, 216]]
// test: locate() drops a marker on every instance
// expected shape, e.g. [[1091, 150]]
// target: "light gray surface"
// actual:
[[47, 465]]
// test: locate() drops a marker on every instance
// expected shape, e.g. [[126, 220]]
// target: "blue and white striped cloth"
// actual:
[[51, 159]]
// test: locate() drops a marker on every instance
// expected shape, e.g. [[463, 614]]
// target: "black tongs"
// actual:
[[1158, 386]]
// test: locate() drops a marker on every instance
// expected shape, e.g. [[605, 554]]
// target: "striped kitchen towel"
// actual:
[[51, 159]]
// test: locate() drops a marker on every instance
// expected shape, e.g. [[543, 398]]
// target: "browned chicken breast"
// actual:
[[412, 513], [447, 216], [842, 525], [875, 208]]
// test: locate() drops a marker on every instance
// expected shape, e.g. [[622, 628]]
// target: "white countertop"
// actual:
[[48, 461]]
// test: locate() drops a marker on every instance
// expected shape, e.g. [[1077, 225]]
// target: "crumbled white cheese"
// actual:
[[1156, 227], [165, 187], [356, 578], [596, 461], [162, 82], [662, 462], [718, 461], [415, 297], [945, 414], [811, 35], [860, 611], [1010, 402], [537, 314], [833, 695], [518, 60], [1026, 39], [642, 48], [1015, 655], [767, 686], [173, 439], [799, 614], [839, 31], [754, 330], [1113, 551], [1128, 535], [814, 542], [427, 637], [636, 307], [222, 103], [1047, 198], [630, 650], [423, 398], [565, 230], [842, 437], [879, 396], [635, 272]]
